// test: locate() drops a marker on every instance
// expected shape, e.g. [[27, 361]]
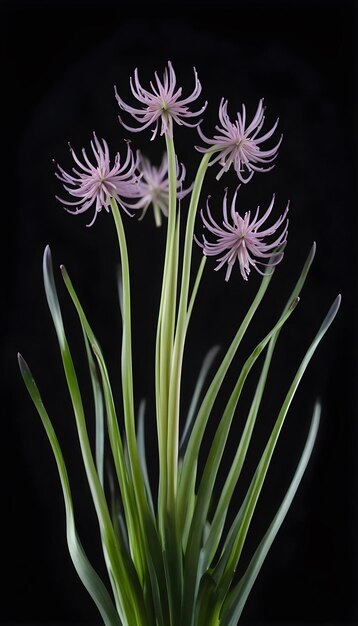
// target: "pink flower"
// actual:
[[97, 184], [153, 186], [239, 145], [242, 240], [163, 103]]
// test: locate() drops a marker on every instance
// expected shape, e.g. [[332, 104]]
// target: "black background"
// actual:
[[60, 64]]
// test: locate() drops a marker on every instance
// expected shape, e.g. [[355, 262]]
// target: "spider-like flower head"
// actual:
[[97, 184], [163, 104], [153, 186], [242, 240], [239, 145]]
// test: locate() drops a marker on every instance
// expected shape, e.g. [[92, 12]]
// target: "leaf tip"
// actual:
[[336, 304], [24, 368], [47, 257]]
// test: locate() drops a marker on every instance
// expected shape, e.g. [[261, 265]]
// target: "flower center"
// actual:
[[154, 191]]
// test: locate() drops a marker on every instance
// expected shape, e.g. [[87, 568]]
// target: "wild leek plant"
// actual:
[[173, 556]]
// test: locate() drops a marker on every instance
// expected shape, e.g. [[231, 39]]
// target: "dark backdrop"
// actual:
[[60, 64]]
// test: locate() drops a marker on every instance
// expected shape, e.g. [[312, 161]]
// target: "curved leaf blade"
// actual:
[[205, 367], [85, 571], [240, 455], [237, 598], [262, 468]]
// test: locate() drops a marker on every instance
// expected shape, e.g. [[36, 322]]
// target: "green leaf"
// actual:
[[99, 410], [261, 471], [87, 574], [238, 461], [142, 454], [117, 447], [144, 543], [119, 524], [192, 572], [122, 573], [206, 365], [236, 599], [189, 466]]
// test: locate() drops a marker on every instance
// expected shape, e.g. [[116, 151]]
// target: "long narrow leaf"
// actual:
[[128, 595], [117, 447], [138, 531], [99, 411], [206, 365], [87, 574], [119, 524], [142, 454], [238, 461], [192, 571], [260, 474], [189, 467], [236, 600]]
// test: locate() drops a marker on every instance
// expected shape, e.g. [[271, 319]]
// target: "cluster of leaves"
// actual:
[[173, 567]]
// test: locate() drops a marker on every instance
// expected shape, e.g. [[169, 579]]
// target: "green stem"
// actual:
[[127, 369], [188, 246], [181, 329], [161, 430], [165, 333]]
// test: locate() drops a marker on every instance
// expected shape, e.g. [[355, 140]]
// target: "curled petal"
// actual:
[[238, 145], [163, 103], [95, 184], [240, 239]]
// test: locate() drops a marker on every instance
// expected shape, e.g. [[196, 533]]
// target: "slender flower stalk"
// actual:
[[238, 144], [182, 322], [166, 322], [98, 184], [127, 367], [162, 105], [242, 241], [153, 187]]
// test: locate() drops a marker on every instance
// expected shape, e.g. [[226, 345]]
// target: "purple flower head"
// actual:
[[163, 103], [153, 186], [242, 240], [97, 184], [239, 145]]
